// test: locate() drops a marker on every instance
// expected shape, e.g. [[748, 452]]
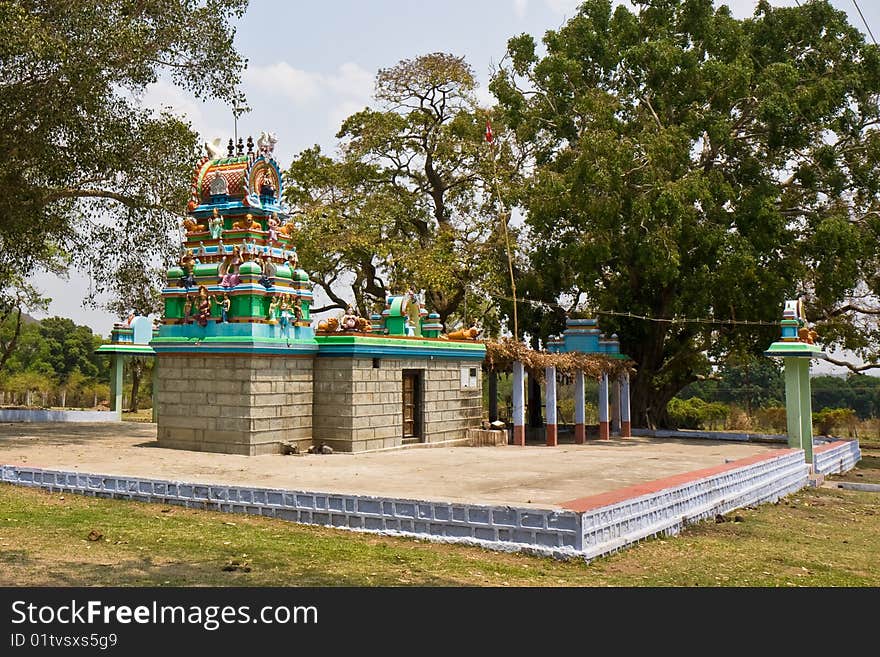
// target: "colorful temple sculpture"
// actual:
[[797, 349], [242, 370], [583, 336]]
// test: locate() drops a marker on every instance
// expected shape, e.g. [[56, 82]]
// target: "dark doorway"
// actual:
[[412, 406]]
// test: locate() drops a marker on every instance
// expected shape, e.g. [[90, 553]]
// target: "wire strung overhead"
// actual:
[[867, 27], [688, 320], [665, 320]]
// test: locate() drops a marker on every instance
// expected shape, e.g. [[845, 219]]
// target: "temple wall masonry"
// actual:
[[358, 406], [233, 404], [252, 405]]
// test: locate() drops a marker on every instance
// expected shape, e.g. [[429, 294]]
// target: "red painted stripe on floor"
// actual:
[[829, 446], [612, 497]]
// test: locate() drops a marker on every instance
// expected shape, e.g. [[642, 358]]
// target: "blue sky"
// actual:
[[311, 64]]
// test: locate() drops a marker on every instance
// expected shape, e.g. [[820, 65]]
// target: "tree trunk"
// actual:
[[135, 385], [64, 398]]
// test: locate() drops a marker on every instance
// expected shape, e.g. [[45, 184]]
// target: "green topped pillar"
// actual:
[[116, 369], [796, 349]]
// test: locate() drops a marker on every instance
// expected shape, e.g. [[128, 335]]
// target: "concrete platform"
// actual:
[[539, 477], [570, 501]]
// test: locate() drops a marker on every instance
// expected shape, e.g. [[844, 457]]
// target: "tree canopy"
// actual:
[[90, 178], [55, 347], [689, 165], [409, 203]]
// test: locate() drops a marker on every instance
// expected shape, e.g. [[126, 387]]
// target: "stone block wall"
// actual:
[[359, 407], [234, 404]]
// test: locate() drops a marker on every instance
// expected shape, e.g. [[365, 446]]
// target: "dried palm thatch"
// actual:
[[500, 356]]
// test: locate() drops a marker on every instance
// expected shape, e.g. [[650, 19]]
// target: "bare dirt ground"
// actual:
[[521, 476]]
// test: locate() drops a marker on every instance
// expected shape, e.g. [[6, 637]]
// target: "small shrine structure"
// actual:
[[241, 368], [129, 338], [582, 351], [582, 336]]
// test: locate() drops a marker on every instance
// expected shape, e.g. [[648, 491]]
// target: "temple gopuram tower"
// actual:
[[236, 347]]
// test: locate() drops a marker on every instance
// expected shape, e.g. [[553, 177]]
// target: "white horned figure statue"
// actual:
[[266, 143]]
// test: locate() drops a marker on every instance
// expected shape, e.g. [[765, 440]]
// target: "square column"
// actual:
[[625, 422], [493, 396], [550, 406], [519, 409], [806, 410], [604, 428], [116, 369], [579, 410], [798, 406]]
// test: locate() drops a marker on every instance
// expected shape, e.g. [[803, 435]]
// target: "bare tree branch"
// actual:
[[852, 367]]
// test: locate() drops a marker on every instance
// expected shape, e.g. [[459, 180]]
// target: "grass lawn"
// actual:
[[817, 537]]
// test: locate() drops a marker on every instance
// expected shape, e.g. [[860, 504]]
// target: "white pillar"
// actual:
[[579, 410], [604, 432], [519, 408], [550, 406], [615, 406], [625, 423]]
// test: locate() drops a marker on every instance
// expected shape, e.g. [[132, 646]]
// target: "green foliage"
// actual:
[[689, 164], [24, 384], [409, 203], [773, 417], [859, 392], [54, 357], [829, 420], [69, 348], [694, 413], [747, 380], [89, 177]]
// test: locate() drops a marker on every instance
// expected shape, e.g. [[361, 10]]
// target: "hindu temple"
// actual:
[[244, 369]]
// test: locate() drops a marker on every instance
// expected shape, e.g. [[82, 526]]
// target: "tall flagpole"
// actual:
[[503, 215]]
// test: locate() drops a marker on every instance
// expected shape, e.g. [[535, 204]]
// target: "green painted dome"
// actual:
[[175, 272], [300, 275], [249, 267], [283, 271]]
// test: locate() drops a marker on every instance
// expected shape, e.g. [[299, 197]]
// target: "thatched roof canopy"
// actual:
[[500, 356]]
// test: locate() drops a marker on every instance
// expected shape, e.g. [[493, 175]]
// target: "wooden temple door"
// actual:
[[412, 392]]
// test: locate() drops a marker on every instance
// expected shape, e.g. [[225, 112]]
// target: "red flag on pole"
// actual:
[[490, 137]]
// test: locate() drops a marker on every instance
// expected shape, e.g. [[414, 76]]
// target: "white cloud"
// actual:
[[519, 8], [342, 111], [484, 96], [350, 81], [164, 96], [296, 85]]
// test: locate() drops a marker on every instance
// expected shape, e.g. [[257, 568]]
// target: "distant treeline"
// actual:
[[52, 362], [759, 384]]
